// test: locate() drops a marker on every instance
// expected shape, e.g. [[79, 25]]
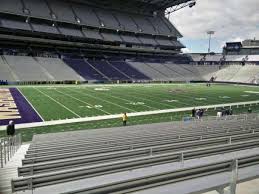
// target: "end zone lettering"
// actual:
[[8, 108]]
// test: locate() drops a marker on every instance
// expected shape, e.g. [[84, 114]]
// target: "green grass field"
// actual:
[[62, 102]]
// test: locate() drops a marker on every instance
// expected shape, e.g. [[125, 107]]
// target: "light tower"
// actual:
[[210, 33]]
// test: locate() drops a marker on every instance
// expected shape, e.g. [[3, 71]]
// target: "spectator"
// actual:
[[124, 119], [198, 114], [10, 129], [227, 112], [201, 112], [223, 110], [219, 114], [193, 112]]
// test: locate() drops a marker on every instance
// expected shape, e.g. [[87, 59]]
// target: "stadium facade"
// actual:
[[112, 26], [45, 41], [112, 41], [247, 47]]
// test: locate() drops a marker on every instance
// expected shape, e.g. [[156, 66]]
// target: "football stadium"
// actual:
[[98, 97]]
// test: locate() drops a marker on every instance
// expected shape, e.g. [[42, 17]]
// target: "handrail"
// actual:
[[251, 116], [8, 147]]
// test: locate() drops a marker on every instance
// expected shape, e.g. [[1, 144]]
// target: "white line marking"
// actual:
[[57, 102], [201, 99], [136, 93], [146, 99], [123, 100], [104, 100], [82, 102], [168, 96], [252, 92], [31, 105]]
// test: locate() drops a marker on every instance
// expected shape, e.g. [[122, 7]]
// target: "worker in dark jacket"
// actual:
[[10, 129], [193, 112]]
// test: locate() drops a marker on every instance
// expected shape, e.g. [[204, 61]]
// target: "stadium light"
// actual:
[[210, 33], [175, 8]]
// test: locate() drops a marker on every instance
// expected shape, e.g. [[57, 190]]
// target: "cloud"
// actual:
[[186, 50], [231, 19]]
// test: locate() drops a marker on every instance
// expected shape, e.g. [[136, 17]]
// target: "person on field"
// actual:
[[124, 119], [10, 129], [249, 110]]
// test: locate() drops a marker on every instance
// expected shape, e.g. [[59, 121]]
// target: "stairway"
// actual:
[[10, 170]]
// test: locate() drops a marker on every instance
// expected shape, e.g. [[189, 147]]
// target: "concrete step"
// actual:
[[10, 170]]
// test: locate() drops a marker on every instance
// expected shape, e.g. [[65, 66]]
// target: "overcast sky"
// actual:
[[233, 20]]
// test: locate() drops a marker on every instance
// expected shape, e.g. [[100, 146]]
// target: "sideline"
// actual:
[[105, 117], [30, 104]]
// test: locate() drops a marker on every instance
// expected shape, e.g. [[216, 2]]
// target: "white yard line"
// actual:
[[58, 102], [104, 101], [153, 101], [125, 100], [170, 97], [30, 104], [77, 120], [83, 102]]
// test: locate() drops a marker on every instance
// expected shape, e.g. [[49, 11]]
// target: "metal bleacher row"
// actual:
[[79, 20], [59, 163]]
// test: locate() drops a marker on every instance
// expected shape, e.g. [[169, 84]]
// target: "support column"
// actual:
[[234, 177]]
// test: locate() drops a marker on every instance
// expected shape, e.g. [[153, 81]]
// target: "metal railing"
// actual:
[[8, 147], [244, 117]]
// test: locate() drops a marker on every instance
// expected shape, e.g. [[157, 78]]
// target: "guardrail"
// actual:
[[8, 147], [251, 116]]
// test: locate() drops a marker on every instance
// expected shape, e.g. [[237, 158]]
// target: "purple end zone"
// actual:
[[27, 113]]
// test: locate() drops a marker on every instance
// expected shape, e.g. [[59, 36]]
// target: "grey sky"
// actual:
[[231, 19]]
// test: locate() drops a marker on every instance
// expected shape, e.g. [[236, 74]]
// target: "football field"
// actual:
[[65, 102]]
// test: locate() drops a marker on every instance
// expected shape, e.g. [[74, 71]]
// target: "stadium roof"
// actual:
[[152, 4], [164, 3]]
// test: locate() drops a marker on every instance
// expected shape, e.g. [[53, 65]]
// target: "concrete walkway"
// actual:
[[250, 187], [10, 170], [97, 118]]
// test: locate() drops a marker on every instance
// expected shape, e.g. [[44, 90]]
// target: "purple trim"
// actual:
[[27, 113]]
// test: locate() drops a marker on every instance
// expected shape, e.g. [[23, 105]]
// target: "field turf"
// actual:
[[62, 102]]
